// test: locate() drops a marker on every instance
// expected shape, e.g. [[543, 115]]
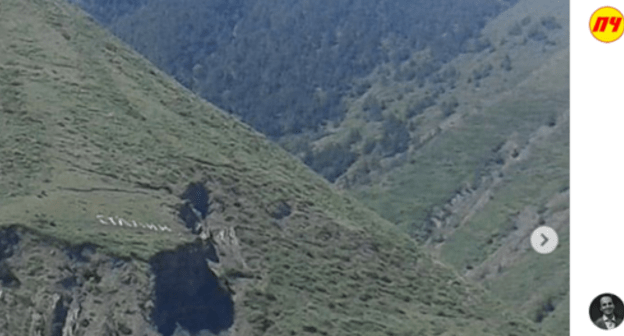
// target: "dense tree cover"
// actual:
[[396, 138], [106, 11], [332, 161], [284, 65]]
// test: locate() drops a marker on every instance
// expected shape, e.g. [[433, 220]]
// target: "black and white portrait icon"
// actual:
[[607, 311]]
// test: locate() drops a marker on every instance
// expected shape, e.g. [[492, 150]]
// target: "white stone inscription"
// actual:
[[117, 221]]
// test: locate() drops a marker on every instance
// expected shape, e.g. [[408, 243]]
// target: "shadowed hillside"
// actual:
[[131, 207], [285, 66]]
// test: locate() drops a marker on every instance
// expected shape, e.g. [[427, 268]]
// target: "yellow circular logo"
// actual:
[[606, 24]]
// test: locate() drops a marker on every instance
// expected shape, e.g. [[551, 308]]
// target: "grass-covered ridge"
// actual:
[[92, 119], [89, 127]]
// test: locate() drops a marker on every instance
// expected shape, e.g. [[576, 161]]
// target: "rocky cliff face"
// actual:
[[70, 290], [53, 287]]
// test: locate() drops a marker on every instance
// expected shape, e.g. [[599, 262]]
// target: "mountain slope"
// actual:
[[130, 206], [482, 173], [306, 54]]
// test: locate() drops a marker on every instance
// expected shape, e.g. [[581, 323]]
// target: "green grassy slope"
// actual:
[[480, 179], [88, 127]]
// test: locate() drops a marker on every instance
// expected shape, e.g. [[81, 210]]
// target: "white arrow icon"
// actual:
[[544, 240]]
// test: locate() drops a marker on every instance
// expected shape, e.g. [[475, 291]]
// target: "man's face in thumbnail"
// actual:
[[606, 305]]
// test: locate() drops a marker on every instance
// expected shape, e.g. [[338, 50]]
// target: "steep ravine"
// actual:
[[188, 294]]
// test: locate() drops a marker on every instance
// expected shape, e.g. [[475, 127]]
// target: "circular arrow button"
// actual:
[[544, 240]]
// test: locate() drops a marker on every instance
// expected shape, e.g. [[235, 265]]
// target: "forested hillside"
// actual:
[[284, 66], [448, 118]]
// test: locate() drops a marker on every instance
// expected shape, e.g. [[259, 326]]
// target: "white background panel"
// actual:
[[597, 167]]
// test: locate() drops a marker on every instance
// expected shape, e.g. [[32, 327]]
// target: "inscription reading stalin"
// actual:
[[117, 221]]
